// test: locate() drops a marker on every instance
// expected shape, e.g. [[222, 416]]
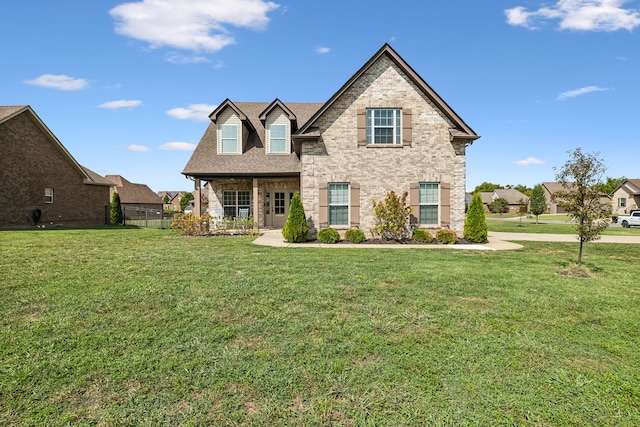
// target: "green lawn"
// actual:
[[130, 327], [515, 226]]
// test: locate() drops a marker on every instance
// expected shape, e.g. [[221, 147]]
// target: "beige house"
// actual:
[[516, 201], [626, 197], [42, 182], [553, 187], [384, 130]]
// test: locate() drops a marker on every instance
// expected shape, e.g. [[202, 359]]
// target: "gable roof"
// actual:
[[88, 176], [460, 130], [205, 162], [133, 193], [632, 187], [511, 195]]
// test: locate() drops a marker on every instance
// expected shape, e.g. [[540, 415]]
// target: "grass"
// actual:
[[130, 327], [515, 226]]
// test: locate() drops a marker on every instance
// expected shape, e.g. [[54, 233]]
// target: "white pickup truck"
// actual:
[[628, 220]]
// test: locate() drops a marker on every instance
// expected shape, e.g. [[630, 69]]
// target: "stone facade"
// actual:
[[338, 158], [30, 162]]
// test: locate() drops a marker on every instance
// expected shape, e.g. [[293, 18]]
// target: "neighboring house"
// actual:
[[384, 130], [552, 205], [174, 200], [37, 174], [516, 201], [136, 199], [626, 197]]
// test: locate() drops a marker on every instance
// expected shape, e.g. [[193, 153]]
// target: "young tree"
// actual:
[[538, 202], [184, 200], [580, 195], [296, 228], [392, 217], [475, 225], [166, 199], [499, 205], [115, 213]]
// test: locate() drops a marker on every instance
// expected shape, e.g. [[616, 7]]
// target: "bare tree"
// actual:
[[581, 177]]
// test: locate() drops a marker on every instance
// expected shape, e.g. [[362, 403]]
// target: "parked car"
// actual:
[[630, 220]]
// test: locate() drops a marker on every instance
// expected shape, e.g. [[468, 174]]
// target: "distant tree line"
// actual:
[[607, 186]]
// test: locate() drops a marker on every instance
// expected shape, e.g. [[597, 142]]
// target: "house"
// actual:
[[137, 200], [626, 197], [173, 198], [516, 201], [384, 130], [43, 184], [553, 207]]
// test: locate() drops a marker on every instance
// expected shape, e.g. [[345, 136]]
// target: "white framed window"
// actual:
[[622, 202], [278, 138], [235, 201], [429, 200], [384, 126], [229, 139], [338, 204], [48, 195]]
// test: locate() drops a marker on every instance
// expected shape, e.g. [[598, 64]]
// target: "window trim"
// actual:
[[622, 202], [222, 138], [286, 148], [48, 195], [346, 204], [397, 130], [236, 205], [424, 203]]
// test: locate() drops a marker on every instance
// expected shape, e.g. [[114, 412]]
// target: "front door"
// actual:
[[276, 208]]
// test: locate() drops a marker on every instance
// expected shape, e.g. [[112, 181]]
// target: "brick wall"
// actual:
[[337, 157], [31, 162]]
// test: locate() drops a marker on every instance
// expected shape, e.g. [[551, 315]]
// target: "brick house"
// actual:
[[516, 201], [626, 197], [137, 200], [37, 174], [384, 130]]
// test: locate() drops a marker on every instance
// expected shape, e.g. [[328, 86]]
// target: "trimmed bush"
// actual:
[[475, 225], [115, 211], [446, 236], [296, 228], [422, 236], [355, 235], [328, 235]]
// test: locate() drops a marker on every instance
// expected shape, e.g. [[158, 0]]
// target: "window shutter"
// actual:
[[323, 199], [362, 127], [354, 209], [406, 127], [445, 204], [414, 202]]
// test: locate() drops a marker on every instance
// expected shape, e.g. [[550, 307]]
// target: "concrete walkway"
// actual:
[[497, 241]]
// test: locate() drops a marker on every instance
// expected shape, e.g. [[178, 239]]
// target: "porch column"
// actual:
[[196, 197], [256, 210]]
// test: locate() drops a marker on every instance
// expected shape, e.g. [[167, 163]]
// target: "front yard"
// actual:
[[132, 327]]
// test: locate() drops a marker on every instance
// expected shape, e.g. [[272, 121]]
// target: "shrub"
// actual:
[[296, 228], [115, 212], [446, 236], [192, 225], [392, 217], [328, 235], [355, 235], [422, 236], [475, 225]]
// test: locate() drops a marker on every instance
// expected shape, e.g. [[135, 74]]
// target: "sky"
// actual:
[[127, 86]]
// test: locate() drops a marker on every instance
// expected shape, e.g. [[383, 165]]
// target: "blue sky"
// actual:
[[127, 86]]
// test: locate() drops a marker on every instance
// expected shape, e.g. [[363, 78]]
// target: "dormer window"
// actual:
[[229, 139], [384, 126], [278, 138]]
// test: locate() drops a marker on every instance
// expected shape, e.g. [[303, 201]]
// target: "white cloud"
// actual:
[[60, 82], [581, 15], [322, 50], [197, 25], [578, 92], [528, 161], [175, 58], [114, 105], [138, 148], [197, 112], [178, 146]]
